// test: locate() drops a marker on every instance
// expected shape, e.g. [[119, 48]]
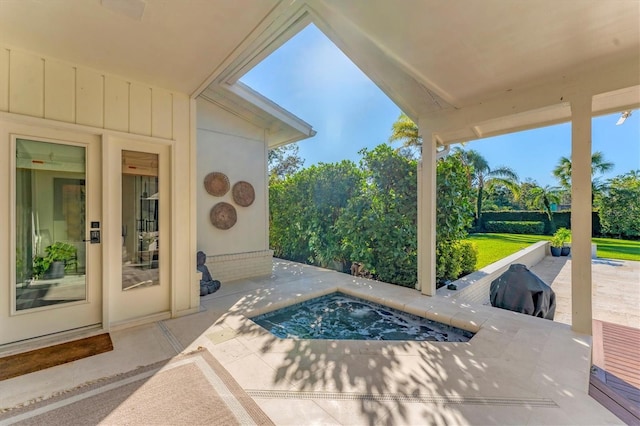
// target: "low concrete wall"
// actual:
[[474, 288], [594, 249], [230, 267]]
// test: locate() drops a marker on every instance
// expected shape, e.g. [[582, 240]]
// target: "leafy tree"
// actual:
[[619, 205], [286, 221], [525, 198], [498, 197], [304, 209], [454, 215], [379, 226], [483, 176], [284, 161], [562, 172], [339, 212]]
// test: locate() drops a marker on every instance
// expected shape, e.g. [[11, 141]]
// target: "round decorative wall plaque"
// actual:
[[243, 194], [216, 184], [223, 216]]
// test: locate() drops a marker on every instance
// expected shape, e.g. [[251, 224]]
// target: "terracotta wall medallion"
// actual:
[[243, 194], [223, 216], [216, 184]]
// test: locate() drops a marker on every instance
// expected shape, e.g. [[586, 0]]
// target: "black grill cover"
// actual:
[[520, 290]]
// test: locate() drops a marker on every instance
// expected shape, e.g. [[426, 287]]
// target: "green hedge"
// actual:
[[513, 227], [561, 219], [454, 259]]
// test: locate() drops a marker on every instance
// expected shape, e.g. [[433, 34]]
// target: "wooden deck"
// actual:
[[615, 382]]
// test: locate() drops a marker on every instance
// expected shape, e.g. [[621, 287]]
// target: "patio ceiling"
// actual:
[[464, 69], [471, 69], [173, 44]]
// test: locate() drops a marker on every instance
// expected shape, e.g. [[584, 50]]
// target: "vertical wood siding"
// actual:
[[4, 79], [59, 92], [47, 88]]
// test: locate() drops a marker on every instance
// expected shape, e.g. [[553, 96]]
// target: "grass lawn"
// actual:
[[493, 247]]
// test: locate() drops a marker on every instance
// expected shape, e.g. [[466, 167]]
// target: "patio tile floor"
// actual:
[[616, 289], [516, 370]]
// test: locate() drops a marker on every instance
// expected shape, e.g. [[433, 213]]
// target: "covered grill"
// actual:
[[520, 290]]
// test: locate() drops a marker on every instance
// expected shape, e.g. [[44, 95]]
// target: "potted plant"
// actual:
[[562, 236], [51, 265], [556, 246]]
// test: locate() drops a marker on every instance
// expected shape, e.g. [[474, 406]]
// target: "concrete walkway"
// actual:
[[616, 289]]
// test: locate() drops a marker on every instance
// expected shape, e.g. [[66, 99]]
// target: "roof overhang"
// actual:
[[462, 69], [469, 70], [239, 99]]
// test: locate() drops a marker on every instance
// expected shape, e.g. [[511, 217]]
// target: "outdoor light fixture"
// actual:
[[624, 116]]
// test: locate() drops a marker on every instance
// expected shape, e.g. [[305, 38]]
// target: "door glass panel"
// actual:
[[140, 236], [50, 224]]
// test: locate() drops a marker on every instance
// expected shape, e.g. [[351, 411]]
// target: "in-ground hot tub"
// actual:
[[337, 316]]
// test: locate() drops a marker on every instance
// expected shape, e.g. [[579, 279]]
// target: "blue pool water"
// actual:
[[337, 316]]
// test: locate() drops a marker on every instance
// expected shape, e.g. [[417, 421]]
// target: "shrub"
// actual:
[[454, 259], [619, 207], [378, 226], [469, 257], [341, 213], [448, 265], [304, 209], [515, 227]]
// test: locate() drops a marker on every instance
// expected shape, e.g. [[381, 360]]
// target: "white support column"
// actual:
[[427, 216], [581, 285]]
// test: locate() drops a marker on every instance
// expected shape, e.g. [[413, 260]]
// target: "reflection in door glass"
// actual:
[[50, 224], [140, 236]]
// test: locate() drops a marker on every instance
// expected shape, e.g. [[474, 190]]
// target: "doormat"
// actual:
[[39, 359], [187, 389]]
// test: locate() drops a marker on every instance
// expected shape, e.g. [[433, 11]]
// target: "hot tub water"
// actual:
[[337, 316]]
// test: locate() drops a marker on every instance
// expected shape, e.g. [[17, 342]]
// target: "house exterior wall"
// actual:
[[49, 93], [54, 90], [237, 148]]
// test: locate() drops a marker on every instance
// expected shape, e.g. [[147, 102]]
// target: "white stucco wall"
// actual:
[[237, 148]]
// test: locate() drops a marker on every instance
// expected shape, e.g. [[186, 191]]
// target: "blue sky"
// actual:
[[310, 77]]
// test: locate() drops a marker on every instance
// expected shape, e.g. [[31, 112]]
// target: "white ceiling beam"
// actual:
[[604, 79], [257, 45], [389, 75]]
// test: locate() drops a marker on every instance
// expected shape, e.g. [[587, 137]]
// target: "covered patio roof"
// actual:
[[467, 69], [476, 69]]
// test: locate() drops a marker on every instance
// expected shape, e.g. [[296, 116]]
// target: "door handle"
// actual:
[[94, 237]]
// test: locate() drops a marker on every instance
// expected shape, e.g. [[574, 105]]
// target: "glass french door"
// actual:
[[140, 220], [57, 227]]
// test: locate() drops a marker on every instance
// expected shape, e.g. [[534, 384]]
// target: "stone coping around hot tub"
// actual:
[[447, 314], [474, 288]]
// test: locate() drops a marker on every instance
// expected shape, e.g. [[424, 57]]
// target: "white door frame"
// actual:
[[34, 323], [125, 308]]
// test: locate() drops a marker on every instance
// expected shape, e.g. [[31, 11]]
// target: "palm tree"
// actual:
[[544, 197], [484, 176], [406, 131], [598, 165]]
